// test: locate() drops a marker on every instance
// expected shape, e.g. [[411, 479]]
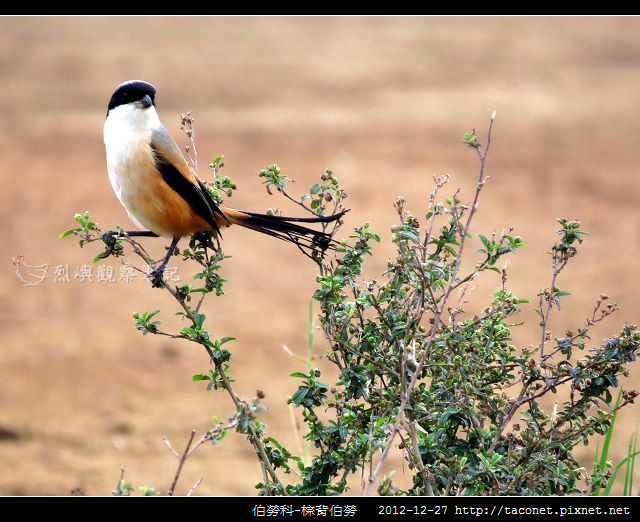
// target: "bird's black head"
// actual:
[[133, 91]]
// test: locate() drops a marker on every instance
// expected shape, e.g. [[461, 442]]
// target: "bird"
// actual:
[[162, 193]]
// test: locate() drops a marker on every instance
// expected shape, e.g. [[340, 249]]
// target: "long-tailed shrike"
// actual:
[[160, 191]]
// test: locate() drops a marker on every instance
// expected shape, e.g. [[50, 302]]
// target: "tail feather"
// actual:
[[286, 228]]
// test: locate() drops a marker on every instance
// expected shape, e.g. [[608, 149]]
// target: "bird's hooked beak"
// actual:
[[145, 102]]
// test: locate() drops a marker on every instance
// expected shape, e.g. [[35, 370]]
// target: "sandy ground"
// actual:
[[382, 101]]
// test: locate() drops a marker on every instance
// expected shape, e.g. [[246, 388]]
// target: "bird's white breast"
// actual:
[[125, 128]]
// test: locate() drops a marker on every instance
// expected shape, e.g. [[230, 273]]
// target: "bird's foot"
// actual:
[[156, 278], [110, 238]]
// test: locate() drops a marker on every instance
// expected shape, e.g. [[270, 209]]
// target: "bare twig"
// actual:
[[253, 435], [426, 479], [119, 492], [186, 124], [182, 458], [194, 487], [171, 447]]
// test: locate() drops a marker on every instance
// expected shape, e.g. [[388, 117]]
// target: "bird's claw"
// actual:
[[156, 278], [109, 239]]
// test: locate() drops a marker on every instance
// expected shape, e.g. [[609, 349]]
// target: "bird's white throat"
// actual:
[[129, 118]]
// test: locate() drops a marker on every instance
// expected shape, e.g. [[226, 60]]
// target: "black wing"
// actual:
[[197, 196]]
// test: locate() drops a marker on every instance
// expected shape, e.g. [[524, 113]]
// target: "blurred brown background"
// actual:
[[384, 102]]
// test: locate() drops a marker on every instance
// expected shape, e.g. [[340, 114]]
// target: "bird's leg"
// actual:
[[112, 236], [156, 275]]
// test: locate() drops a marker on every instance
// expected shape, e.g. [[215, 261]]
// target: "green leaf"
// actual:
[[148, 492], [408, 234], [198, 319], [69, 232], [299, 396]]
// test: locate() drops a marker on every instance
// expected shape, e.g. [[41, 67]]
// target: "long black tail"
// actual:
[[286, 228]]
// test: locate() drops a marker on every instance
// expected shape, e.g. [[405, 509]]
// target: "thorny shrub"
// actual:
[[416, 373]]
